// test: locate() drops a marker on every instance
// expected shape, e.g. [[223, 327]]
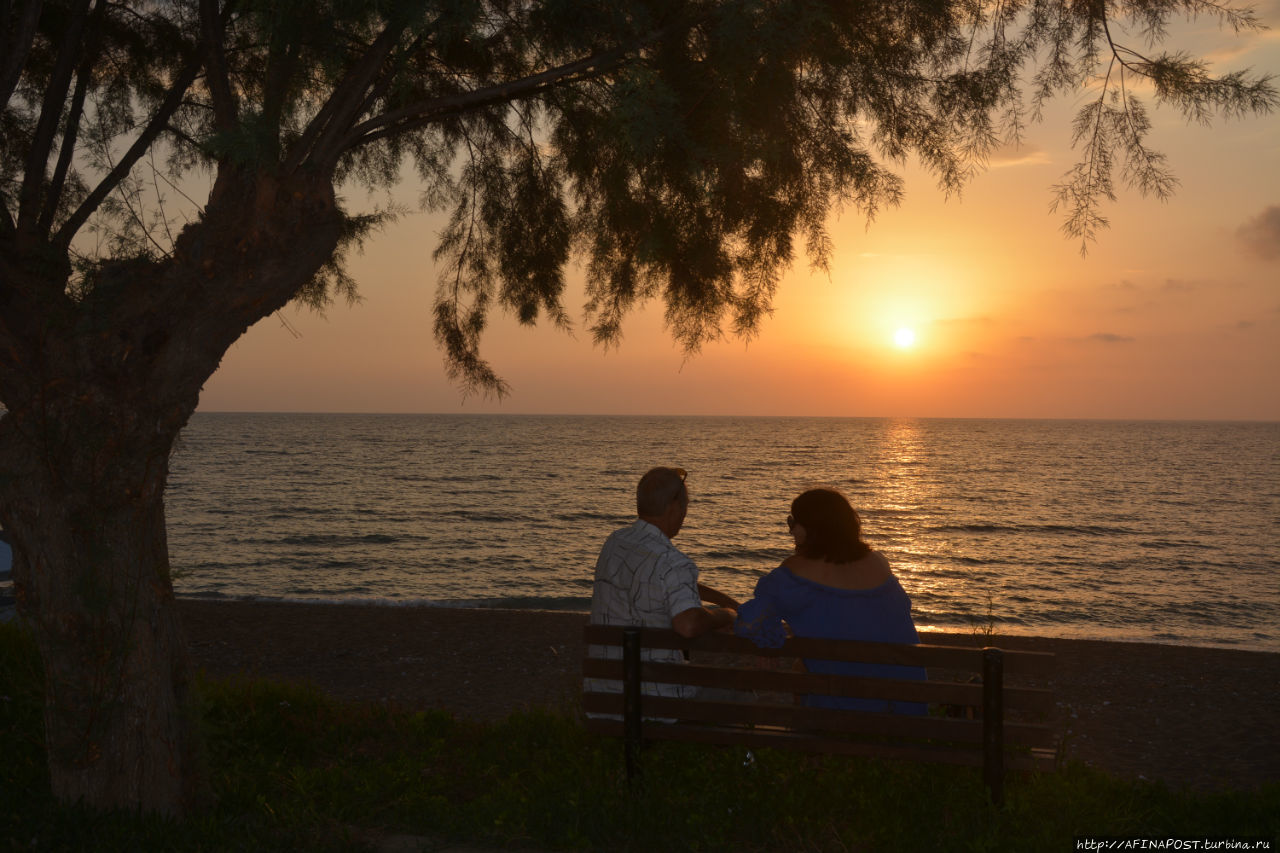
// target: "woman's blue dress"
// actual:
[[881, 614]]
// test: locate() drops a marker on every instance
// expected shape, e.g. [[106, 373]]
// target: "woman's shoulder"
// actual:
[[879, 561], [878, 567], [779, 576], [780, 585], [868, 573]]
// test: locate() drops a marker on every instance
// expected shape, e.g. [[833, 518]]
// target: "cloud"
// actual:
[[1174, 285], [1123, 284], [981, 321], [1109, 338], [1247, 41], [1261, 235], [1121, 297], [1011, 155]]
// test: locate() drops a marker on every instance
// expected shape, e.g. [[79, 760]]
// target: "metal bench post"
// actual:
[[993, 723], [631, 699]]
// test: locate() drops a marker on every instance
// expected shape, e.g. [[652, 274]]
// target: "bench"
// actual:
[[974, 718]]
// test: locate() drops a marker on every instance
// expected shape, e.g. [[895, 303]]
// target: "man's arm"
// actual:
[[697, 621], [715, 596]]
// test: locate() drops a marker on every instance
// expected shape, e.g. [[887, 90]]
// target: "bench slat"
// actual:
[[955, 657], [804, 718], [725, 676], [1034, 759]]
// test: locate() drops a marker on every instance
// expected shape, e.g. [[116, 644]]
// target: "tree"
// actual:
[[681, 148]]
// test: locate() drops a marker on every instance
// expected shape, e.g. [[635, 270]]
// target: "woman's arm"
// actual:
[[759, 620]]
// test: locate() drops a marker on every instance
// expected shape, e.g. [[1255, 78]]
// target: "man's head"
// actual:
[[662, 499]]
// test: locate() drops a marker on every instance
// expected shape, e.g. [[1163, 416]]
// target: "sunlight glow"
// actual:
[[904, 338]]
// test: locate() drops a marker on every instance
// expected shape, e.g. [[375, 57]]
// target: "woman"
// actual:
[[833, 587]]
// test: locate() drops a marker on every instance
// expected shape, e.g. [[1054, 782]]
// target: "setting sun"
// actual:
[[904, 338]]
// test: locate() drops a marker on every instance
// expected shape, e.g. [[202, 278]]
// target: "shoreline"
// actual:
[[1267, 646], [1184, 715]]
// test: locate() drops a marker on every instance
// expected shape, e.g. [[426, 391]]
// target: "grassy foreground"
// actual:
[[293, 770]]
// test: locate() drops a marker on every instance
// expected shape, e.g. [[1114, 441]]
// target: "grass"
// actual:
[[983, 627], [293, 770]]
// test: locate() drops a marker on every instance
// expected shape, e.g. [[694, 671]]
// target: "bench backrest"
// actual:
[[974, 717]]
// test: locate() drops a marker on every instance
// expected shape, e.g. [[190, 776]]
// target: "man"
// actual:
[[642, 579]]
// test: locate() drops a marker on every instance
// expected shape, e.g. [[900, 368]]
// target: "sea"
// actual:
[[1165, 532]]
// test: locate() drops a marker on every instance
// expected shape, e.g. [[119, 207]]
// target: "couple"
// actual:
[[834, 586]]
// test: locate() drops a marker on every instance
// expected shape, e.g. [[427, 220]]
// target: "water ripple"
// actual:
[[1146, 530]]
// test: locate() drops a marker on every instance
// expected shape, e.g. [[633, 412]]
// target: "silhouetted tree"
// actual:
[[681, 148]]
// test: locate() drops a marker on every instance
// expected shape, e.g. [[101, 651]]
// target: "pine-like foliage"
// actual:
[[683, 150]]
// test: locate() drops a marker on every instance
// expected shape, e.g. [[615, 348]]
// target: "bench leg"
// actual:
[[631, 719], [993, 723]]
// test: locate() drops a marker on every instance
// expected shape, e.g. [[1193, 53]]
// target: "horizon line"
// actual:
[[740, 416]]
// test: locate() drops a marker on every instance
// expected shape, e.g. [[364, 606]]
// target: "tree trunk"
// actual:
[[93, 581], [97, 389]]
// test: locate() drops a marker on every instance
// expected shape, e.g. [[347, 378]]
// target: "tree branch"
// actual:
[[426, 112], [19, 45], [320, 142], [281, 61], [55, 95], [212, 27], [67, 149], [153, 128], [423, 113]]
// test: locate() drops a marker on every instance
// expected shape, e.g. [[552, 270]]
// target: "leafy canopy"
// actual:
[[682, 149]]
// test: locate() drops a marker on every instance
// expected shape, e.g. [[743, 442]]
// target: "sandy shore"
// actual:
[[1205, 718]]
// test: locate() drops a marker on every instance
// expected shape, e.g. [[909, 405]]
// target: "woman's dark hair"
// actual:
[[833, 531]]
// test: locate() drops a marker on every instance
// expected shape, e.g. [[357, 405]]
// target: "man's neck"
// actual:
[[659, 522]]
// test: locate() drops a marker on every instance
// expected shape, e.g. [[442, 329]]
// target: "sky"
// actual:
[[1174, 313]]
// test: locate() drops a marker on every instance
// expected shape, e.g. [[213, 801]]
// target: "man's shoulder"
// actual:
[[641, 537], [627, 530], [639, 533]]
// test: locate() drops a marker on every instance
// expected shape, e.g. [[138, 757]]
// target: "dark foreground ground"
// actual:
[[1204, 718]]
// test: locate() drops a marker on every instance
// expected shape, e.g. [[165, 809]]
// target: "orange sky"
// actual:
[[1174, 313]]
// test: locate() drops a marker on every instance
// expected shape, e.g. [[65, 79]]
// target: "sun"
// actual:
[[904, 338]]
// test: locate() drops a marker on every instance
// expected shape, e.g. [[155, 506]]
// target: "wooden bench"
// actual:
[[973, 719]]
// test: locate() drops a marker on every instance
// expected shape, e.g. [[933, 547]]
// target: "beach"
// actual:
[[1204, 718]]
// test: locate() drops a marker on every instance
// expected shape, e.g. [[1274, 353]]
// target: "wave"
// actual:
[[1065, 529], [1174, 544], [771, 556], [525, 602], [486, 517], [447, 478], [339, 540], [969, 561], [591, 515], [294, 512]]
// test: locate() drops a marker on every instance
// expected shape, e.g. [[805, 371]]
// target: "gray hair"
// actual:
[[657, 489]]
